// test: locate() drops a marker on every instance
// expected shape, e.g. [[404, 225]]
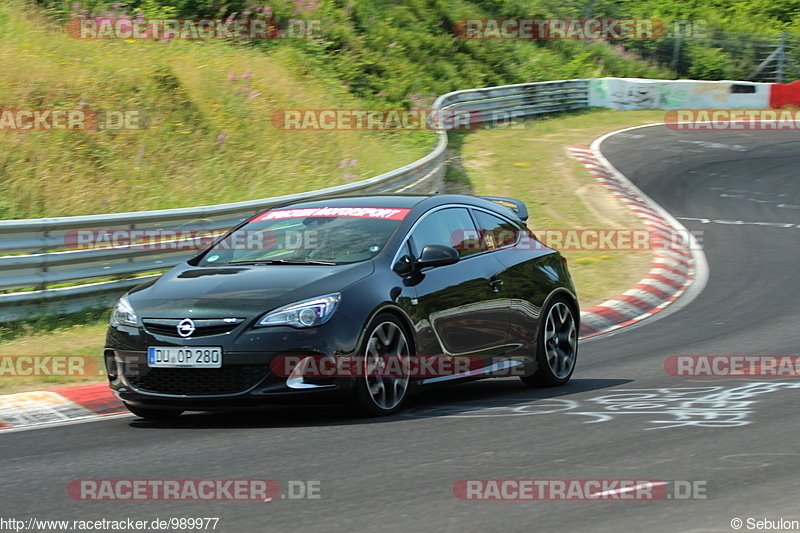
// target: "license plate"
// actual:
[[184, 357]]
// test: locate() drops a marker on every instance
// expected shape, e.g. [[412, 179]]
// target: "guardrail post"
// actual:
[[43, 267]]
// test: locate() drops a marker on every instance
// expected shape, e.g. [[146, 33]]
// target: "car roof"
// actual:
[[407, 201], [381, 200]]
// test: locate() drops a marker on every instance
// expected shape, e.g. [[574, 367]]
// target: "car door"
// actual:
[[528, 276], [462, 307]]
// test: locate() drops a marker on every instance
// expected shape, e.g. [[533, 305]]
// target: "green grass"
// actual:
[[78, 339], [208, 140], [75, 334]]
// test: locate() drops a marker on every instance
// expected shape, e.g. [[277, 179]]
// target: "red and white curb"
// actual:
[[674, 265], [58, 405], [674, 270]]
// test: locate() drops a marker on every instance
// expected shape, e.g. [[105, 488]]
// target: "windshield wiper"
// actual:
[[282, 262]]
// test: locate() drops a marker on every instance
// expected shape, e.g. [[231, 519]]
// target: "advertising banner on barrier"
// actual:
[[628, 94]]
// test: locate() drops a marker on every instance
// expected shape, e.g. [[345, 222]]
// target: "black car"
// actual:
[[351, 299]]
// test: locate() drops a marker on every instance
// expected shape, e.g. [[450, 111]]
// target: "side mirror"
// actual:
[[404, 266], [435, 255]]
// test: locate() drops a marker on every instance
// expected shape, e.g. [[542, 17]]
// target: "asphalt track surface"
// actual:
[[738, 440]]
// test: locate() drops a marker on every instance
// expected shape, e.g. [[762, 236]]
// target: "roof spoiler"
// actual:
[[518, 206]]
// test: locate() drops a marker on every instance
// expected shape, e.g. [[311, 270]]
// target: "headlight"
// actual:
[[305, 314], [123, 314]]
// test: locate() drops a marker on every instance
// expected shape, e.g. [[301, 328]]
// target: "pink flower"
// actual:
[[305, 5], [232, 77], [246, 75]]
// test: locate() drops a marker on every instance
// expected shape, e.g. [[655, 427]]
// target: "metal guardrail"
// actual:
[[35, 257]]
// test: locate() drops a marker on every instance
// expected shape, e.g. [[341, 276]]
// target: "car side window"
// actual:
[[452, 226], [495, 231]]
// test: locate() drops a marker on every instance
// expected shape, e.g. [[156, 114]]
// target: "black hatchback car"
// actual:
[[351, 299]]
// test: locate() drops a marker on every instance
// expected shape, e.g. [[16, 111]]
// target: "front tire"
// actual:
[[153, 414], [382, 386], [556, 346]]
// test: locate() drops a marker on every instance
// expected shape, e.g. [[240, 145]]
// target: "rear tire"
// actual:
[[153, 414], [556, 346], [385, 344]]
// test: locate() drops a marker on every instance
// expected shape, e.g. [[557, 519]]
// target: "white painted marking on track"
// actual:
[[630, 489], [741, 222]]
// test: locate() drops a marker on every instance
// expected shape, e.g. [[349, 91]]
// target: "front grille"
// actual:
[[204, 327], [229, 379]]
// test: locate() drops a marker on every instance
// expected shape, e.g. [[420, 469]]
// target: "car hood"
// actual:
[[240, 291]]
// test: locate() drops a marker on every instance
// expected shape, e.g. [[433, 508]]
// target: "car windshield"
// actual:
[[290, 237]]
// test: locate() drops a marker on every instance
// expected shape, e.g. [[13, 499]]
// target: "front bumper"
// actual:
[[246, 377]]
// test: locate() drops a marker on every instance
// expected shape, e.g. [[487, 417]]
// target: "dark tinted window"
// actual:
[[450, 227], [495, 231]]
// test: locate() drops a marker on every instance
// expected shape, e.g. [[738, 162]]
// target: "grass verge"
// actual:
[[204, 110]]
